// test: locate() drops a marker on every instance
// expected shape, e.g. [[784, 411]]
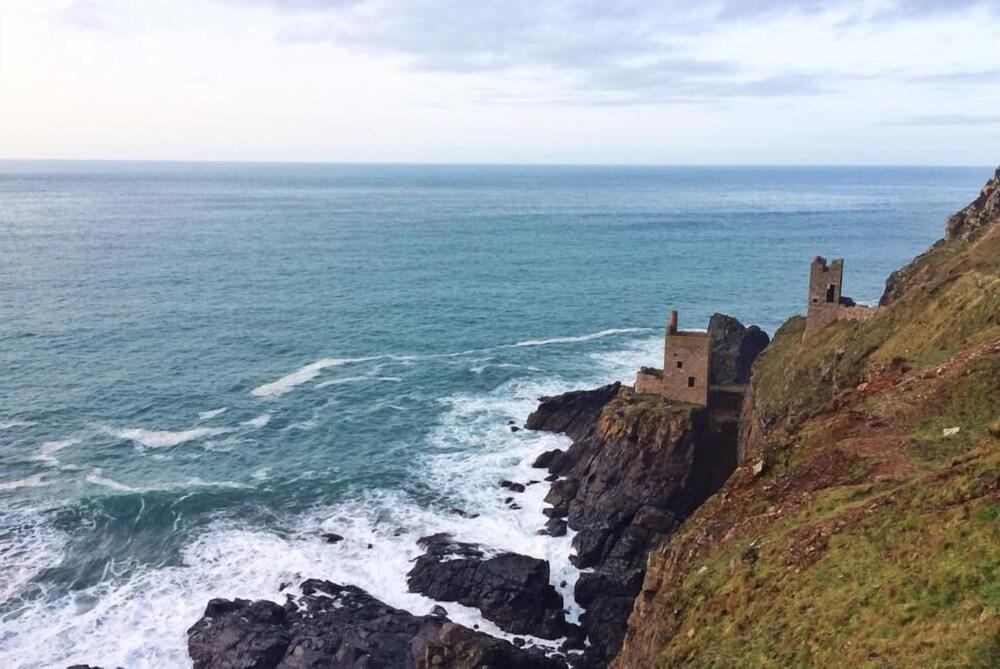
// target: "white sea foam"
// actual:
[[11, 424], [258, 422], [208, 415], [97, 477], [572, 340], [165, 438], [356, 379], [33, 481], [138, 619], [47, 451], [302, 375], [27, 546], [313, 369]]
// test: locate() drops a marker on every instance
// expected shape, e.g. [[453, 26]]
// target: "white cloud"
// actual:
[[447, 80]]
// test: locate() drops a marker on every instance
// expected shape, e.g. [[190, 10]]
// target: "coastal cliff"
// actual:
[[863, 525], [840, 509]]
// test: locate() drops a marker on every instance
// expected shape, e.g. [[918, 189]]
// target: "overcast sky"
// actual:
[[596, 81]]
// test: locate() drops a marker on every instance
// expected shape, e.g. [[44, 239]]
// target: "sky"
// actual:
[[511, 81]]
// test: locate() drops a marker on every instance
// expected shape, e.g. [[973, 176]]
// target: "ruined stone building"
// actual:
[[827, 302], [684, 377]]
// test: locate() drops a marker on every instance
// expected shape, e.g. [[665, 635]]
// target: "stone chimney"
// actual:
[[672, 322]]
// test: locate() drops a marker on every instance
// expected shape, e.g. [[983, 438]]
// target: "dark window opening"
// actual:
[[680, 364], [829, 293], [690, 382]]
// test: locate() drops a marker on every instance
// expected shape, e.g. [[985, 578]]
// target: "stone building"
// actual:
[[684, 377], [827, 302]]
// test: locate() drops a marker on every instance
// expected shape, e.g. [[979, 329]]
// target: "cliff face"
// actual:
[[863, 527], [639, 465]]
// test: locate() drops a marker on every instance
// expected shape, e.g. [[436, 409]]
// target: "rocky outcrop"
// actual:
[[342, 627], [509, 589], [970, 225], [981, 213], [733, 347], [637, 467], [870, 453]]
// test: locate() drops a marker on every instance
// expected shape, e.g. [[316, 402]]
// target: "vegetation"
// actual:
[[864, 529]]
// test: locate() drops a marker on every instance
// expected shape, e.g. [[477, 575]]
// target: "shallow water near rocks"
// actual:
[[206, 366]]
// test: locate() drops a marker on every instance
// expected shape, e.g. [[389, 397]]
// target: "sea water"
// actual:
[[205, 366]]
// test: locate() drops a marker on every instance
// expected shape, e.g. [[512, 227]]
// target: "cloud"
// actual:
[[948, 120]]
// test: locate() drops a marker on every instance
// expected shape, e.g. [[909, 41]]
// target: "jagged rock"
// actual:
[[332, 537], [573, 413], [513, 487], [634, 472], [509, 589], [733, 349], [554, 527], [343, 627], [545, 459], [977, 216]]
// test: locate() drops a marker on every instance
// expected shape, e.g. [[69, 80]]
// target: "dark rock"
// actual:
[[513, 487], [464, 514], [573, 413], [239, 633], [370, 546], [562, 492], [509, 589], [332, 537], [439, 611], [508, 500], [343, 627], [518, 641], [556, 512], [554, 527], [633, 474], [514, 507], [531, 482], [545, 459], [552, 477], [515, 428], [733, 349]]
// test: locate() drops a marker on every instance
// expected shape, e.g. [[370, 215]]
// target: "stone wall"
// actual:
[[685, 367], [649, 381]]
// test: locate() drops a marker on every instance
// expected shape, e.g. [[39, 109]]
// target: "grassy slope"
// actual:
[[870, 539]]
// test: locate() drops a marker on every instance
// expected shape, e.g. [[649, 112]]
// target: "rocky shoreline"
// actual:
[[637, 467]]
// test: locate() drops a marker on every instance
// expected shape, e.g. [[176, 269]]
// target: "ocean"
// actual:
[[203, 367]]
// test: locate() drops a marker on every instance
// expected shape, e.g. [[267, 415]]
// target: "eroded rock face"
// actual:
[[981, 213], [638, 466], [509, 589], [343, 627], [734, 347]]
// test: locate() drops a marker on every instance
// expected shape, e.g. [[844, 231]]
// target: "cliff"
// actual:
[[863, 525]]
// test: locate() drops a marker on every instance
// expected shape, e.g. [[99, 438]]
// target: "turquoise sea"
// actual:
[[204, 366]]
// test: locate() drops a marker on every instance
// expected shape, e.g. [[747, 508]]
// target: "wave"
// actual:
[[258, 422], [33, 481], [11, 424], [313, 369], [48, 449], [208, 415], [96, 477], [579, 338], [166, 438], [302, 375], [355, 379]]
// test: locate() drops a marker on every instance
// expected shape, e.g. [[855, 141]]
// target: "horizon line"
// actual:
[[196, 161]]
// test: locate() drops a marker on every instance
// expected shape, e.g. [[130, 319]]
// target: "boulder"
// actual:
[[343, 627], [509, 589]]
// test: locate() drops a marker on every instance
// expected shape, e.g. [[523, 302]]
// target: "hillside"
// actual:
[[862, 528]]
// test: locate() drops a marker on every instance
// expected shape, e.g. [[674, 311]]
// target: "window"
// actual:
[[829, 293], [690, 382], [680, 364]]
